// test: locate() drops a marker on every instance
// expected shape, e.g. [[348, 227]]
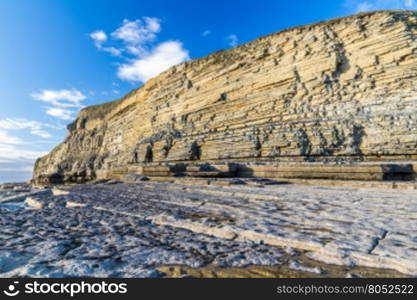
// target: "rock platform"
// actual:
[[141, 229]]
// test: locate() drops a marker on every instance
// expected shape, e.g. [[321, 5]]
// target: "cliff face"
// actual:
[[343, 90]]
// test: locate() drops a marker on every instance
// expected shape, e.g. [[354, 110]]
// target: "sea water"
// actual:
[[11, 206]]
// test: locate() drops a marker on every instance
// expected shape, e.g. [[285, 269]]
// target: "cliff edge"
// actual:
[[342, 91]]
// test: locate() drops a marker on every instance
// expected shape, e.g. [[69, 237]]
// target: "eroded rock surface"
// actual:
[[137, 229]]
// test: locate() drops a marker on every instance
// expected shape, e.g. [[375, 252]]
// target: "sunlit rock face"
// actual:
[[336, 91]]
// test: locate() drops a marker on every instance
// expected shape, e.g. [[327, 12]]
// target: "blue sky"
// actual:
[[57, 56]]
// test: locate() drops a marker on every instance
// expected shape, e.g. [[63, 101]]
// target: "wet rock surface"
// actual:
[[150, 229]]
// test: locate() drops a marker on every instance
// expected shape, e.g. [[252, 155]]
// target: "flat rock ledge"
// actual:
[[153, 229]]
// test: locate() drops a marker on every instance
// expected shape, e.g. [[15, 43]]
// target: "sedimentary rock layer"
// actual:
[[337, 91]]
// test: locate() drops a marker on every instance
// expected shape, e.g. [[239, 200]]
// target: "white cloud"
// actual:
[[16, 167], [138, 31], [206, 33], [13, 153], [35, 128], [61, 98], [60, 103], [161, 58], [233, 40], [143, 59], [7, 139], [136, 50], [112, 50], [41, 133], [364, 6], [356, 6], [16, 161], [17, 154], [99, 37], [153, 24], [60, 113]]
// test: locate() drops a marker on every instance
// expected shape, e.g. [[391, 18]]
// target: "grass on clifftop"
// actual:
[[100, 110]]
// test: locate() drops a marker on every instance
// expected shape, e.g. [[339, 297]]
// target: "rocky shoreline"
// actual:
[[151, 229]]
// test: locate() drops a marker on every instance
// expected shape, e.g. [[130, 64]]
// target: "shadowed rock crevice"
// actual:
[[377, 240]]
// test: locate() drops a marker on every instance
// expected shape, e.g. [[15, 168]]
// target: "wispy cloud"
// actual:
[[356, 6], [112, 50], [364, 6], [10, 152], [18, 153], [99, 37], [61, 98], [409, 3], [139, 31], [7, 139], [60, 113], [233, 40], [206, 33], [61, 102], [34, 127], [143, 57], [16, 160]]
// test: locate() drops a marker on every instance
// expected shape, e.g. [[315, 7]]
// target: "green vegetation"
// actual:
[[101, 110]]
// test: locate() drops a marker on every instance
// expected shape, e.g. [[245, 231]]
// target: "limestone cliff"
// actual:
[[337, 91]]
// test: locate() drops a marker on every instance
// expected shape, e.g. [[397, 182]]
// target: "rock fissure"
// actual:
[[377, 240]]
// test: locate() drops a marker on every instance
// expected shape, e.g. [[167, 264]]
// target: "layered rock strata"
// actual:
[[337, 92]]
